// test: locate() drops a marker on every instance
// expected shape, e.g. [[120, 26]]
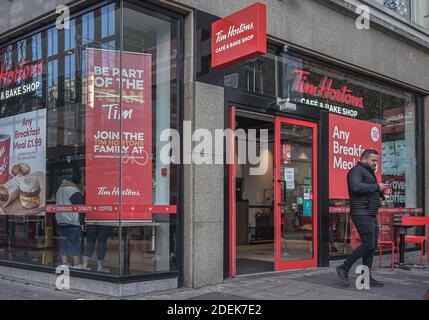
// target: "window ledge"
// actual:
[[386, 19], [394, 15]]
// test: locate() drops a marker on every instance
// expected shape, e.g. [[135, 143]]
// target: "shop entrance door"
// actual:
[[295, 194]]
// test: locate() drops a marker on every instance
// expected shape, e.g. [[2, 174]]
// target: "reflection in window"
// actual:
[[88, 28], [255, 75], [108, 20], [7, 57], [63, 93], [52, 36], [399, 150], [69, 79], [22, 50], [70, 99], [110, 45], [52, 97], [401, 7], [70, 36], [36, 52]]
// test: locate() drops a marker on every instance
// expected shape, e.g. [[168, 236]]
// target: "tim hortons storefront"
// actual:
[[312, 121], [82, 183]]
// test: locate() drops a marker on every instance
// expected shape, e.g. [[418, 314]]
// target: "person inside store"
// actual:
[[364, 193], [94, 234], [102, 233], [70, 224]]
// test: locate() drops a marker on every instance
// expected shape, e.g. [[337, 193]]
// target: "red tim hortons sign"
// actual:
[[240, 36], [325, 90]]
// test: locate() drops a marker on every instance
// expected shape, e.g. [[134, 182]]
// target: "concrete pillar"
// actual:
[[203, 185], [426, 150], [188, 190], [410, 168]]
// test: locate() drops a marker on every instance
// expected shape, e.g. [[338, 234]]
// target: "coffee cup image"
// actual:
[[29, 192]]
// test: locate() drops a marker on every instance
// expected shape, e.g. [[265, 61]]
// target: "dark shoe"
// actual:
[[333, 249], [343, 275], [375, 283]]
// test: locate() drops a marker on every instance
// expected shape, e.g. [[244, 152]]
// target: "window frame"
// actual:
[[29, 33]]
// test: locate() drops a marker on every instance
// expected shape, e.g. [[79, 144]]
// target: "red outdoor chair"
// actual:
[[418, 222], [386, 236]]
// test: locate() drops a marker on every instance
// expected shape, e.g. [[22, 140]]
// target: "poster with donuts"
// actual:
[[22, 163]]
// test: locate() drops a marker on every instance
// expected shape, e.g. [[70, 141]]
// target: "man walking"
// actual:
[[364, 194]]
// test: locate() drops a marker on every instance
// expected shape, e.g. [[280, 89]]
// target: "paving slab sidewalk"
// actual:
[[308, 284]]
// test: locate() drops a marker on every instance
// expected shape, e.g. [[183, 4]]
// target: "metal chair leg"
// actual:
[[380, 256]]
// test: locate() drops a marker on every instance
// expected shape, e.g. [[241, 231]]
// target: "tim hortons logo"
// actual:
[[233, 31], [23, 71], [325, 90]]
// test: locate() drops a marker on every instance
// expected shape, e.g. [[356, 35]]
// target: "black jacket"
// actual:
[[364, 191]]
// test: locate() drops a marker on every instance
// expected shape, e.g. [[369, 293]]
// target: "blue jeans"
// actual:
[[71, 240], [100, 232], [367, 228]]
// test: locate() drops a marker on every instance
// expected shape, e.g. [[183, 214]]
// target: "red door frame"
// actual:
[[299, 264], [232, 195], [278, 264]]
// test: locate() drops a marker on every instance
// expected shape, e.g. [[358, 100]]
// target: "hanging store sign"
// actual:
[[240, 36], [348, 138], [119, 133]]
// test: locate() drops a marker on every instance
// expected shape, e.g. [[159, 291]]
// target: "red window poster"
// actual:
[[348, 138], [118, 134]]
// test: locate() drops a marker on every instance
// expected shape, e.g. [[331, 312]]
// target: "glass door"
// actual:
[[295, 196]]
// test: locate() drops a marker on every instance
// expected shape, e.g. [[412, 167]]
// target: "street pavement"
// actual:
[[307, 284]]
